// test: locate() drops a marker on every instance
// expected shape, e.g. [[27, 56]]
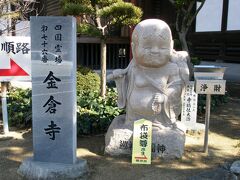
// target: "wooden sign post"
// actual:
[[209, 80]]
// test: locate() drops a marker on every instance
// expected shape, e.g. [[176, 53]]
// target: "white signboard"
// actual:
[[210, 86], [15, 58], [142, 142], [189, 105]]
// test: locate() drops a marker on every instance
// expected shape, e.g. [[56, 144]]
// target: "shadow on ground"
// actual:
[[223, 138], [226, 119], [103, 167], [13, 151]]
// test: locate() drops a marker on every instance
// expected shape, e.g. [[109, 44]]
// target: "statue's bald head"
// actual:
[[153, 29], [152, 43]]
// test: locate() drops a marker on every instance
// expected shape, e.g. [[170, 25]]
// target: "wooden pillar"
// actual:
[[130, 33], [224, 26], [224, 15]]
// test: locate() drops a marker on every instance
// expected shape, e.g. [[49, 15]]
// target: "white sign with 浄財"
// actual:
[[210, 86], [189, 105]]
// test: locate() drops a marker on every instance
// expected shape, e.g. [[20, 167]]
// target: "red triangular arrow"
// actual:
[[15, 70]]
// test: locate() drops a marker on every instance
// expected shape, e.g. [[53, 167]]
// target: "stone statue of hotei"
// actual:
[[151, 86]]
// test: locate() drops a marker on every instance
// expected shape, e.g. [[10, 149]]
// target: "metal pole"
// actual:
[[4, 107], [207, 116], [5, 84]]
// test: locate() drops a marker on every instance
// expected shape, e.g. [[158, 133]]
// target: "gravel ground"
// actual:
[[224, 147]]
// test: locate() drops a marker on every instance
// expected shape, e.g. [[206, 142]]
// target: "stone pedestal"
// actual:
[[118, 140], [167, 143], [31, 169]]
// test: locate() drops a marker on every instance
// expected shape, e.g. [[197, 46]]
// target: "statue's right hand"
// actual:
[[118, 73], [110, 77]]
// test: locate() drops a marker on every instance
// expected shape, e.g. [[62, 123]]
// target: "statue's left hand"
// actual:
[[157, 101]]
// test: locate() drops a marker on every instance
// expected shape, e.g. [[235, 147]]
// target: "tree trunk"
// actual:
[[182, 38], [183, 41], [103, 67]]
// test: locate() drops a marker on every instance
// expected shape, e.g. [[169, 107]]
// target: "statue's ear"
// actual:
[[133, 49], [172, 44]]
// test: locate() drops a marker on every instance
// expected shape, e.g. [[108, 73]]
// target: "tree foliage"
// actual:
[[186, 13], [102, 14], [16, 11], [98, 17]]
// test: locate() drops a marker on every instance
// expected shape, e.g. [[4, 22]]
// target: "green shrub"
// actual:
[[177, 45], [216, 100], [95, 114], [19, 107], [195, 60], [87, 81], [89, 30]]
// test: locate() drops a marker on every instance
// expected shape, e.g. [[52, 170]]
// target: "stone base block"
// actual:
[[30, 169], [118, 140], [167, 143], [120, 143]]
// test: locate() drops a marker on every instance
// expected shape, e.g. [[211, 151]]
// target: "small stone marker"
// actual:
[[142, 142], [53, 44]]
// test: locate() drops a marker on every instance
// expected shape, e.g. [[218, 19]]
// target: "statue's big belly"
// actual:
[[140, 101]]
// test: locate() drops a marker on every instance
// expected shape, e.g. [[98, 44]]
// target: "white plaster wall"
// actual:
[[233, 15], [210, 16]]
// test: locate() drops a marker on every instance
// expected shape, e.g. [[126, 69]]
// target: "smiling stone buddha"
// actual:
[[150, 88]]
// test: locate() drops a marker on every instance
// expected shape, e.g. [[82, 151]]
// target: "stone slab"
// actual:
[[31, 169], [53, 52], [120, 143], [167, 143], [235, 167]]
